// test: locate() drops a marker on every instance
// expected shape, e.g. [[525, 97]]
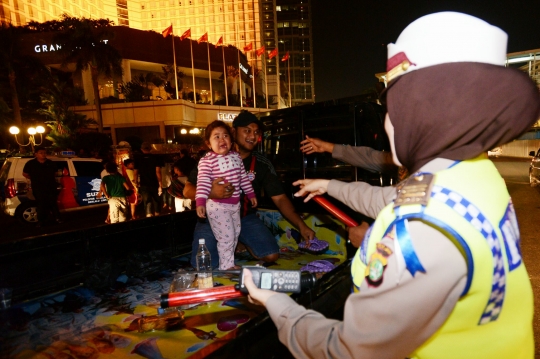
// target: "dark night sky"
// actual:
[[350, 36]]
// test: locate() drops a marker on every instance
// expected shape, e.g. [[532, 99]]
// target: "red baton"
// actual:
[[336, 212], [199, 296]]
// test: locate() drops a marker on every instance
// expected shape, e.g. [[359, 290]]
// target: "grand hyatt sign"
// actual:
[[52, 47]]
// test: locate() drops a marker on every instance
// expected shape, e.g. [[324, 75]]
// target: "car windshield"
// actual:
[[88, 168]]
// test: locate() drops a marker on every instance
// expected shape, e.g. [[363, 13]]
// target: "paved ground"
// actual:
[[527, 204]]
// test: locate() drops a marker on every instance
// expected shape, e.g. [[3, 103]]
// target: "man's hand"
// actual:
[[221, 190], [314, 187], [307, 233], [357, 234], [256, 295], [253, 202], [201, 211], [159, 191], [313, 145]]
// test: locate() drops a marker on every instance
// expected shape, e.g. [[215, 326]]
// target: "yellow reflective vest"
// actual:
[[470, 204]]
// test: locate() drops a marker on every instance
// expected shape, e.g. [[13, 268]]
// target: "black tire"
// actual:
[[26, 212]]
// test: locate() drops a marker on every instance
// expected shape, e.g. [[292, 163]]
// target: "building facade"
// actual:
[[144, 53], [269, 23]]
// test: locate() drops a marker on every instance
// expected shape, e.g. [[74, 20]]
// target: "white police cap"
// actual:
[[445, 37]]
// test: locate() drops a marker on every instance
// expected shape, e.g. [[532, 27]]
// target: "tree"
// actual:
[[168, 78], [84, 42], [135, 90], [63, 122], [16, 68]]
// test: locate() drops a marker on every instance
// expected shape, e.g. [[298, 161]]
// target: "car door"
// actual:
[[88, 181]]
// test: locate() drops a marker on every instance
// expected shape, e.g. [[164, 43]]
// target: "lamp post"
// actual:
[[14, 130]]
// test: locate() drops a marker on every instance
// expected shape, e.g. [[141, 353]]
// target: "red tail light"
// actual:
[[10, 188]]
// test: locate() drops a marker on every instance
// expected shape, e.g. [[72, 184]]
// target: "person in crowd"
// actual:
[[166, 178], [223, 214], [41, 172], [133, 199], [176, 189], [440, 272], [114, 187], [101, 193], [148, 171], [254, 235]]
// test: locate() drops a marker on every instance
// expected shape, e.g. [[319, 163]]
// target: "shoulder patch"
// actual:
[[415, 190], [377, 264]]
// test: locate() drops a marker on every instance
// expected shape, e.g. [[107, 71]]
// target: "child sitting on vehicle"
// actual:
[[223, 214]]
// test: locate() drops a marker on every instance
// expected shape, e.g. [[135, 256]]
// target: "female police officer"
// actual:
[[439, 274]]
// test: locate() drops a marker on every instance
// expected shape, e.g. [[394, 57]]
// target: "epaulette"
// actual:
[[415, 190]]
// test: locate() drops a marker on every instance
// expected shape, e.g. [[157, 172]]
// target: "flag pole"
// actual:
[[174, 63], [253, 92], [289, 78], [225, 75], [239, 73], [209, 73], [192, 69], [265, 77], [278, 79]]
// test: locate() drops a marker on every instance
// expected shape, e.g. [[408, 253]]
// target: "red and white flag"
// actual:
[[203, 38], [272, 54], [167, 31], [248, 47], [260, 51], [186, 34], [286, 57], [220, 42]]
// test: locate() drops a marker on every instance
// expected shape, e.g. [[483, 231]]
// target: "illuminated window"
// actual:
[[278, 8]]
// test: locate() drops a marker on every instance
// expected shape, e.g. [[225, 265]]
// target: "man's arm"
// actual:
[[286, 208], [218, 190], [158, 175]]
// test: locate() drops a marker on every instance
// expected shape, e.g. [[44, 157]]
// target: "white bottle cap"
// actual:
[[201, 241]]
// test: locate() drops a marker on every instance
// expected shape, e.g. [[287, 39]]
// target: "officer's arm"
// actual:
[[387, 319], [365, 157]]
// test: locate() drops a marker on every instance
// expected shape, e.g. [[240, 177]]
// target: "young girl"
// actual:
[[223, 214]]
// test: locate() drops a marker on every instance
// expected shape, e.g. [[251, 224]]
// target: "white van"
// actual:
[[78, 184]]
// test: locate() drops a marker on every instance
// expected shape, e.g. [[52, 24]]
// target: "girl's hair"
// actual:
[[211, 127]]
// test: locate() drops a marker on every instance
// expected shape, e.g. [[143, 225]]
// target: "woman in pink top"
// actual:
[[223, 214]]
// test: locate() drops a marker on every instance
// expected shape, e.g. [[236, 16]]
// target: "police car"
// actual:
[[78, 184]]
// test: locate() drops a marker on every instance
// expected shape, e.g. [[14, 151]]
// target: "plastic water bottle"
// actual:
[[204, 266]]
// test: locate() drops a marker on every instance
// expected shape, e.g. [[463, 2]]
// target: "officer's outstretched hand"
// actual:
[[311, 187], [256, 295]]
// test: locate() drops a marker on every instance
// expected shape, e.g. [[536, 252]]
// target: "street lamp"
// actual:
[[14, 130]]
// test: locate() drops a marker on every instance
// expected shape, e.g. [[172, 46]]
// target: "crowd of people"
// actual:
[[154, 181]]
